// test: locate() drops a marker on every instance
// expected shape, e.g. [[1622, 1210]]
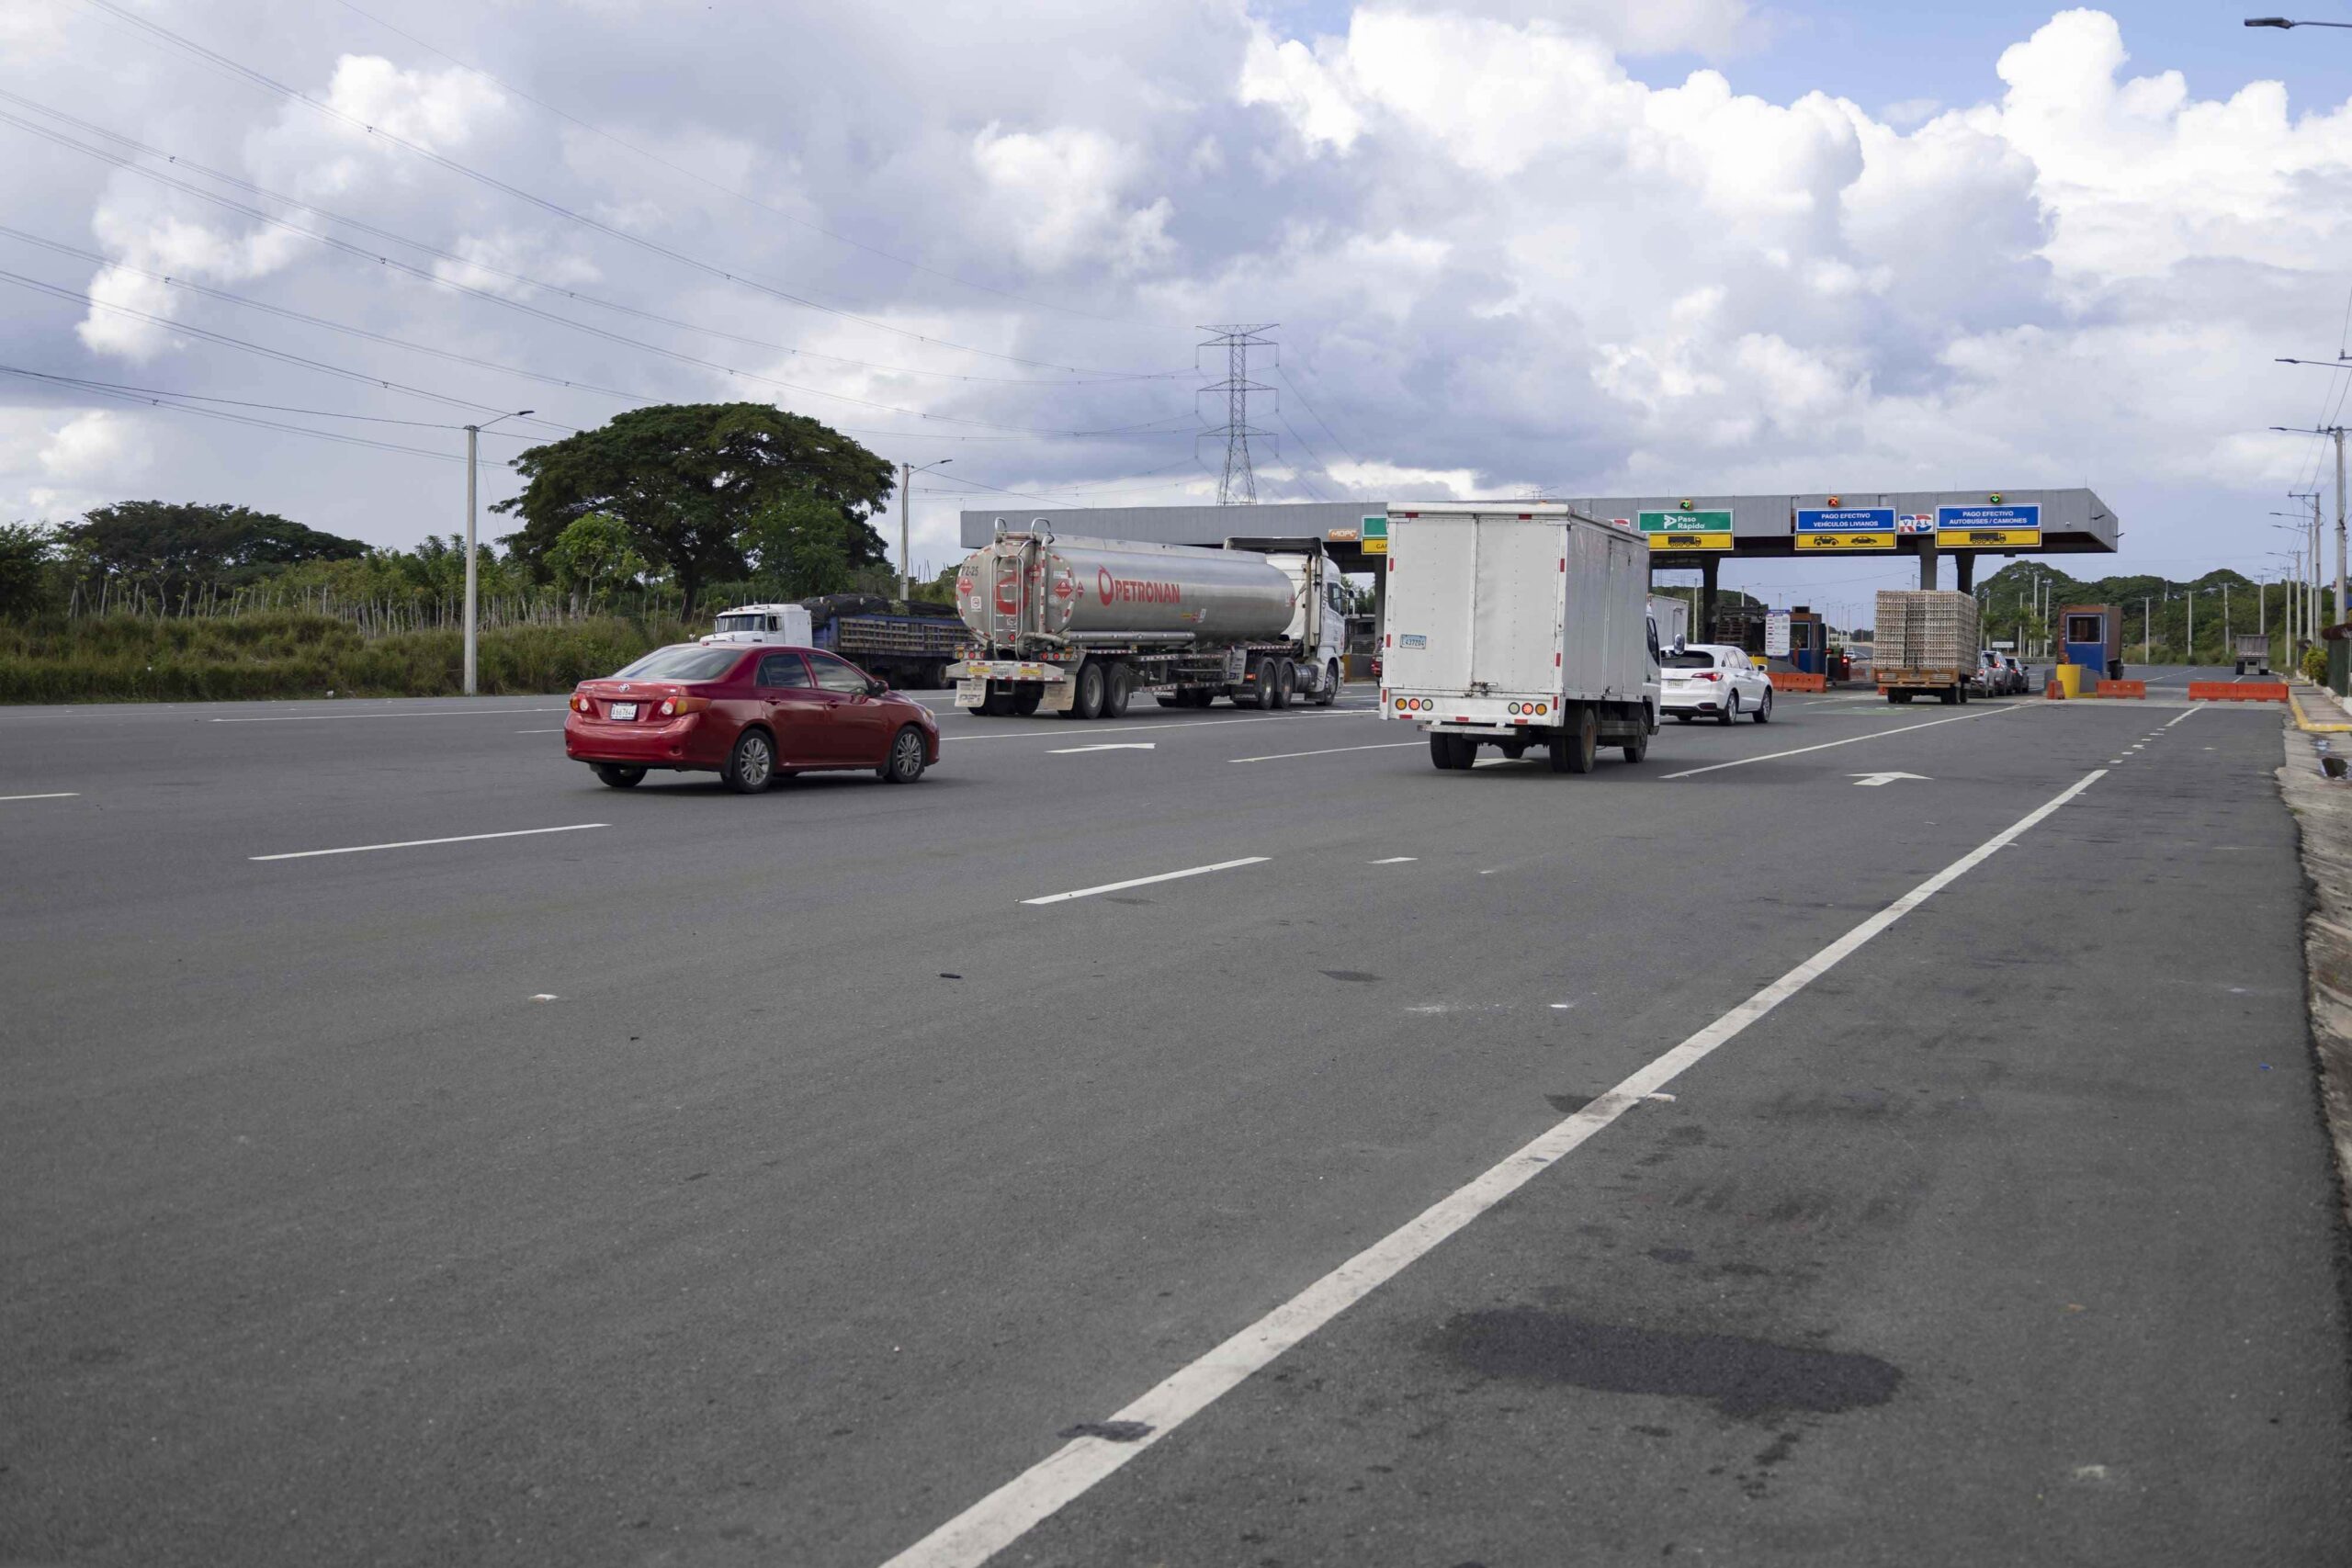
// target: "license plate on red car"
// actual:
[[623, 710]]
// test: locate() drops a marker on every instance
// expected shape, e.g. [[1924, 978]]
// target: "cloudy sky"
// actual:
[[1689, 245]]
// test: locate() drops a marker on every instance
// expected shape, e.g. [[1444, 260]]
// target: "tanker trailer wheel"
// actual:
[[1332, 683], [1024, 698], [1578, 742], [1088, 702], [997, 701], [1118, 686]]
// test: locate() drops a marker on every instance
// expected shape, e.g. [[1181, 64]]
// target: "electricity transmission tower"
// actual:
[[1237, 485]]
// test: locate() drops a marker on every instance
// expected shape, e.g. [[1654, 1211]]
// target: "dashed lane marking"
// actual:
[[1329, 752], [420, 843], [1147, 881], [1850, 740]]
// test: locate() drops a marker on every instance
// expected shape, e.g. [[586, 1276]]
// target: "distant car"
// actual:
[[748, 714], [2021, 678], [1707, 680]]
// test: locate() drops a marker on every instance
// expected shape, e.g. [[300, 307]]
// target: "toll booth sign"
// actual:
[[1690, 531], [1375, 535], [1845, 528], [1988, 528], [1776, 635]]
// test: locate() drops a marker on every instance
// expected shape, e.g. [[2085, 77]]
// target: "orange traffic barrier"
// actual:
[[2053, 690], [1793, 681], [2237, 691], [2120, 689]]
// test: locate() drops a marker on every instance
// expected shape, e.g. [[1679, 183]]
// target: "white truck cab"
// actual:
[[765, 623]]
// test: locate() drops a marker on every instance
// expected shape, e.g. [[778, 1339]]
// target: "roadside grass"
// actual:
[[292, 653]]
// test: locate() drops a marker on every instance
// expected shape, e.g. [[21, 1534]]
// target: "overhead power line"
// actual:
[[669, 354], [224, 64], [337, 436], [85, 383], [701, 180], [321, 367], [122, 160]]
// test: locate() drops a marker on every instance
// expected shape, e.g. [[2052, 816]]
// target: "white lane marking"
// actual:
[[1850, 740], [420, 843], [1875, 781], [1110, 746], [1144, 881], [451, 713], [1396, 860], [1005, 1515], [2183, 713], [1329, 752], [61, 795], [2135, 748], [1166, 727]]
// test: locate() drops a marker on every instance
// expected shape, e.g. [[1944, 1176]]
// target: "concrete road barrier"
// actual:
[[2237, 691]]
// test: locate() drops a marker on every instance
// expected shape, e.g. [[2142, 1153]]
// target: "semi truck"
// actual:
[[1926, 642], [1517, 624], [908, 644], [1082, 626], [2252, 652]]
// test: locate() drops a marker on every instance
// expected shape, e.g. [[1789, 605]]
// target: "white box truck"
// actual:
[[1516, 625]]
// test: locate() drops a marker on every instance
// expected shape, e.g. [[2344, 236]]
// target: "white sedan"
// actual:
[[1708, 680]]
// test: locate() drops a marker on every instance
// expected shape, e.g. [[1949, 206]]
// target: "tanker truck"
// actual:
[[1081, 627]]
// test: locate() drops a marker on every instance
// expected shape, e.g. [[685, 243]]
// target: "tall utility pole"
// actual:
[[1238, 484], [2147, 633], [2191, 597], [473, 447], [906, 507], [2337, 430]]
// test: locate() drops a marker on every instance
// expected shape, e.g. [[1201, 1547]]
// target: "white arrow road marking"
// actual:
[[1110, 746], [1871, 781]]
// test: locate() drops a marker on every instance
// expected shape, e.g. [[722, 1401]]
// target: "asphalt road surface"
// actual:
[[1724, 1158]]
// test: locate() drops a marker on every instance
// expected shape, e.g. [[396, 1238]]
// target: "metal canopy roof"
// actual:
[[2074, 522]]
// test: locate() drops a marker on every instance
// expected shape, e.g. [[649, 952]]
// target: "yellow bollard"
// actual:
[[2069, 679]]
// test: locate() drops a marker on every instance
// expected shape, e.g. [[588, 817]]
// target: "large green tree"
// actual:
[[690, 480], [175, 547]]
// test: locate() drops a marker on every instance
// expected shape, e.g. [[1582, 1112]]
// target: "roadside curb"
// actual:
[[2322, 814], [2304, 721]]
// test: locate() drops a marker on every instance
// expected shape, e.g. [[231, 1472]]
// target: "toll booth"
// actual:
[[1808, 642], [2092, 637]]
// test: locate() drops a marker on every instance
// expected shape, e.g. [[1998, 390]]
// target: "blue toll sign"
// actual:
[[1845, 520]]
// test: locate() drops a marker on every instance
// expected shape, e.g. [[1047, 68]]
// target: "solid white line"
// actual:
[[1396, 860], [1329, 752], [448, 713], [1005, 1515], [1850, 740], [1141, 881], [419, 843], [2183, 713], [63, 795]]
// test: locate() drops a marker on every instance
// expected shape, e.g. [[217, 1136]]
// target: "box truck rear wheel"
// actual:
[[1452, 752], [1577, 743], [1638, 748]]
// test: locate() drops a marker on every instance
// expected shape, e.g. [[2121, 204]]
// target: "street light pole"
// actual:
[[906, 512], [473, 446]]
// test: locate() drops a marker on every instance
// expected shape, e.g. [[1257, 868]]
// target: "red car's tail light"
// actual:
[[673, 706], [581, 705]]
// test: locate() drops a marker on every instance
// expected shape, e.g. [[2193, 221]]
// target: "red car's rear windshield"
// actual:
[[685, 661]]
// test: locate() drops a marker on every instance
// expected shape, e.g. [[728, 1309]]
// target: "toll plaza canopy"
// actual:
[[1686, 532]]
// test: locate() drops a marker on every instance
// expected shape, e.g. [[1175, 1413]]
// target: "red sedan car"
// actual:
[[747, 713]]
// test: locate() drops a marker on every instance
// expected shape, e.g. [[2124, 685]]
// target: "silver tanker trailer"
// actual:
[[1080, 627]]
